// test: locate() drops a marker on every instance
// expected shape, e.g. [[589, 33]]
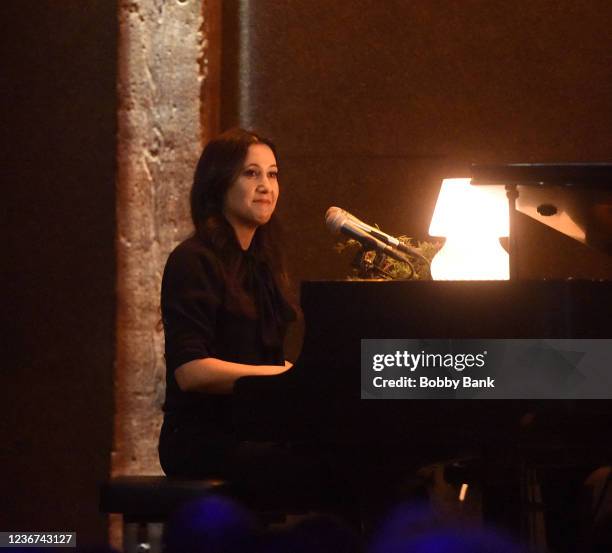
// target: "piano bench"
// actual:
[[146, 503]]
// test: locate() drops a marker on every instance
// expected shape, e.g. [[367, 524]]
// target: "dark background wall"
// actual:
[[58, 167], [372, 103]]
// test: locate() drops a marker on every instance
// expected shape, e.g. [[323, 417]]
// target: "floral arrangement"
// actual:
[[368, 265]]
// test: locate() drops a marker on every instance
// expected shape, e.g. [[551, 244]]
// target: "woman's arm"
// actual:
[[216, 376]]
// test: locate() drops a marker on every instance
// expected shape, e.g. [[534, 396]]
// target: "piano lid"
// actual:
[[573, 198]]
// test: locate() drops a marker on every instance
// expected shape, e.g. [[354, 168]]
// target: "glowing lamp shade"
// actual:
[[472, 218]]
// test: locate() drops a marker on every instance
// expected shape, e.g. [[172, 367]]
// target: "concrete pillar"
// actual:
[[168, 76]]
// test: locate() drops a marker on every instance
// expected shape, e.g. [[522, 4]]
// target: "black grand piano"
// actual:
[[318, 400]]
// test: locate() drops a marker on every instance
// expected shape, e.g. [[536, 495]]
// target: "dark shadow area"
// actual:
[[58, 159]]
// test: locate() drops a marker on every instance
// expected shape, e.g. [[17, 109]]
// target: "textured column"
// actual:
[[167, 106]]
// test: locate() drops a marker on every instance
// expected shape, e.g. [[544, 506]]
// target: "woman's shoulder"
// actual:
[[193, 246], [193, 255]]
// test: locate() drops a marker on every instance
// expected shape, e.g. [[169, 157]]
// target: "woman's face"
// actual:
[[251, 199]]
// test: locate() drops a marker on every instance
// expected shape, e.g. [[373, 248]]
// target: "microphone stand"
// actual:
[[367, 268]]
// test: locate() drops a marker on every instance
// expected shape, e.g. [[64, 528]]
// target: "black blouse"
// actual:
[[200, 322]]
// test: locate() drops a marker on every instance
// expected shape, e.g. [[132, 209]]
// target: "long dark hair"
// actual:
[[219, 166]]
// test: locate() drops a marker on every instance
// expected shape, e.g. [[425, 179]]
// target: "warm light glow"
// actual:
[[472, 218], [463, 492]]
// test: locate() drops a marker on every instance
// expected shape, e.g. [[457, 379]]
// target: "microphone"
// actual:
[[380, 235], [340, 221]]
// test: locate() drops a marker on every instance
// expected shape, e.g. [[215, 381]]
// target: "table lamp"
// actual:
[[472, 218]]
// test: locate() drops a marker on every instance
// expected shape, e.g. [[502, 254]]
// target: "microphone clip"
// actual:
[[371, 263]]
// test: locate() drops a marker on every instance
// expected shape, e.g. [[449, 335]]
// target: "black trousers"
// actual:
[[265, 474]]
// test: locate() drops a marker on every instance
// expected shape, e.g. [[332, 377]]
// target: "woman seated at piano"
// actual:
[[225, 304]]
